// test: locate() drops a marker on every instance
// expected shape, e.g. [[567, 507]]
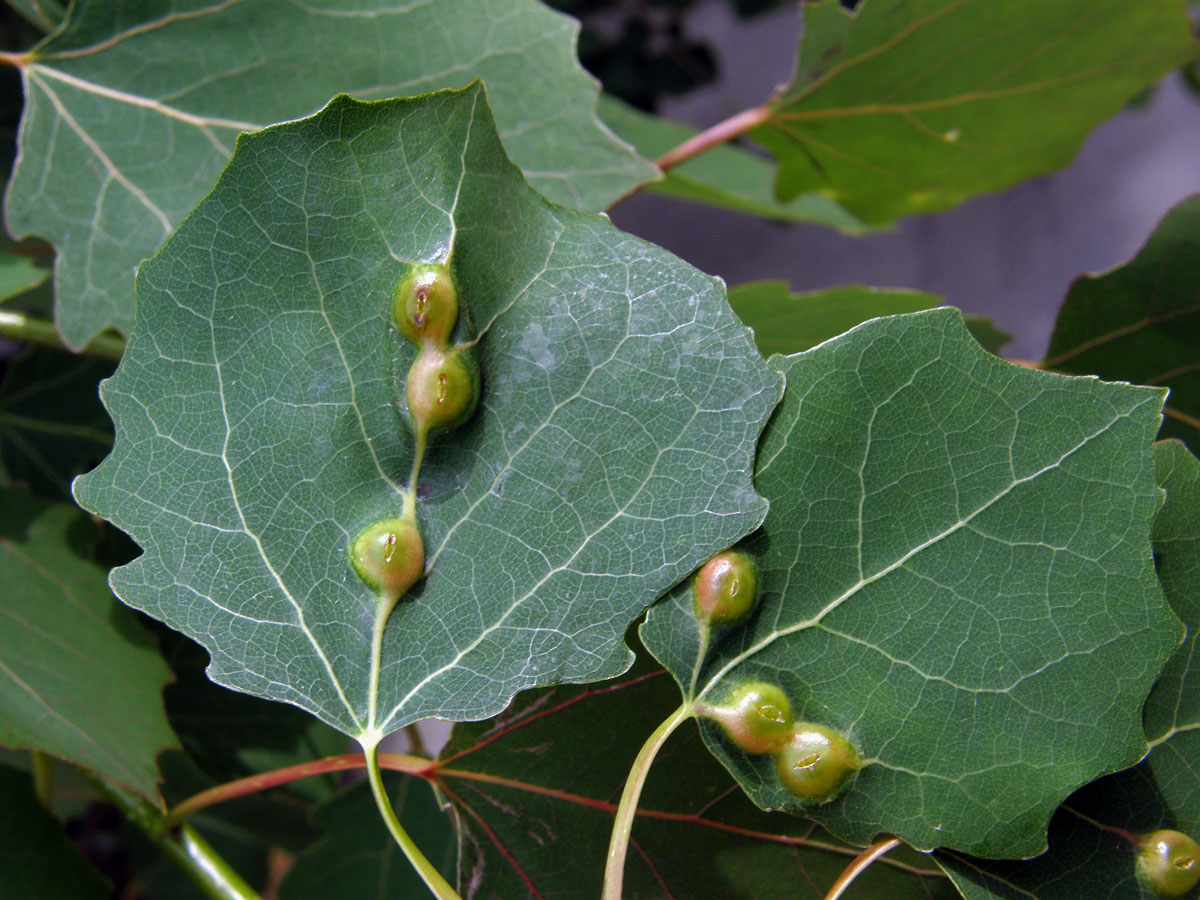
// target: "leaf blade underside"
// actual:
[[935, 514], [258, 425]]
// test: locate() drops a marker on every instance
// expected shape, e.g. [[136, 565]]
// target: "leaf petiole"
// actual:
[[860, 863], [614, 869], [429, 874], [21, 327], [252, 784], [721, 133]]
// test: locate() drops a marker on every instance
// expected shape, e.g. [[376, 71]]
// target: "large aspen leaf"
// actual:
[[258, 431], [956, 573]]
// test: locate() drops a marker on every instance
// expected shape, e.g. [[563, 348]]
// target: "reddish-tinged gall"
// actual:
[[756, 716], [443, 387], [725, 588]]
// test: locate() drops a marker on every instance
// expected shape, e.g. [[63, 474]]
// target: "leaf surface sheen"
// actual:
[[955, 573], [132, 109], [259, 429], [79, 679], [908, 106], [1088, 855]]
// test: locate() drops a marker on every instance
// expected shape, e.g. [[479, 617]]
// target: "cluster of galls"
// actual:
[[813, 762], [816, 763], [442, 389], [443, 382]]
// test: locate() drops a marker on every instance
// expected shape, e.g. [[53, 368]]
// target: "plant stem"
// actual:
[[859, 865], [614, 869], [32, 330], [734, 126], [202, 865], [416, 743], [205, 867], [429, 874], [400, 762], [43, 777]]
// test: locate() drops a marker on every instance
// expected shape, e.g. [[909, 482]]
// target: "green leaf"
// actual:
[[36, 856], [1141, 321], [984, 330], [358, 858], [785, 322], [1089, 856], [726, 176], [19, 272], [258, 429], [44, 14], [132, 109], [79, 679], [956, 573], [536, 790], [52, 425], [1173, 710], [908, 106]]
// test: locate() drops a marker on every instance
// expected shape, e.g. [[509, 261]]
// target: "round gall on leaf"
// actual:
[[389, 556], [757, 717], [426, 305], [725, 588], [1168, 862], [443, 386], [817, 763]]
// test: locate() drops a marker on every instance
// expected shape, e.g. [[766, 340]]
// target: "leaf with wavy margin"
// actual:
[[258, 425], [1090, 852], [956, 573]]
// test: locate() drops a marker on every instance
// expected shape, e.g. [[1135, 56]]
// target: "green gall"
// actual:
[[389, 556], [443, 386], [1168, 862], [426, 305], [757, 717], [816, 763], [725, 588]]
